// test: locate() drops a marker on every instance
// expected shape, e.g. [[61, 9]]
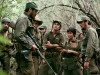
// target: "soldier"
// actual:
[[89, 46], [53, 42], [5, 56], [43, 30], [24, 44], [38, 38], [70, 55]]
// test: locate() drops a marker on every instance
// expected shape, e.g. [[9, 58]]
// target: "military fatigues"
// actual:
[[89, 48], [5, 55], [51, 54], [70, 62], [24, 45], [35, 55]]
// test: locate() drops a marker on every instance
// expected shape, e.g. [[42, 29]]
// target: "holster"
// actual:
[[25, 53]]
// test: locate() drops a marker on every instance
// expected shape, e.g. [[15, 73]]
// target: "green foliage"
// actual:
[[4, 40], [3, 73]]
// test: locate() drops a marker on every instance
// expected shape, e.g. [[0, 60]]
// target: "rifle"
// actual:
[[33, 39], [12, 25]]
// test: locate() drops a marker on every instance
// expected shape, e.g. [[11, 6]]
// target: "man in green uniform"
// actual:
[[53, 42], [89, 46], [5, 48], [43, 30], [37, 35], [24, 45]]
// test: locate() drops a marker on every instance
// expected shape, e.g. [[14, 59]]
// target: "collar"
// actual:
[[88, 28]]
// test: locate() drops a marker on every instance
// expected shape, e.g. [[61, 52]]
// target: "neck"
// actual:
[[71, 38], [55, 31]]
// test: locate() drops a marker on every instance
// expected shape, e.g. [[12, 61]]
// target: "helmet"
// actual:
[[31, 5], [6, 20]]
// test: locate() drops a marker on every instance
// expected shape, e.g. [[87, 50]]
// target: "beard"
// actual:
[[32, 16], [83, 29], [6, 29]]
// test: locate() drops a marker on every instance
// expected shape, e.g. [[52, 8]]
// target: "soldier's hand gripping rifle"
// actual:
[[33, 39]]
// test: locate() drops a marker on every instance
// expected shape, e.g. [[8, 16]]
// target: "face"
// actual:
[[83, 25], [5, 26], [36, 24], [70, 35], [56, 26], [43, 30], [81, 36], [33, 13]]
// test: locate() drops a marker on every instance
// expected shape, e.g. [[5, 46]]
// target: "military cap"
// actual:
[[39, 22], [73, 30], [83, 18], [55, 21], [5, 19], [42, 27], [31, 5]]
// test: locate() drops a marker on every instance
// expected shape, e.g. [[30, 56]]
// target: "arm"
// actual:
[[71, 51], [90, 45], [20, 32]]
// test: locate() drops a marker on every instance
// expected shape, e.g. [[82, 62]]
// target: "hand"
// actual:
[[63, 50], [42, 61], [34, 48], [48, 45], [80, 55], [48, 42], [86, 65], [10, 43]]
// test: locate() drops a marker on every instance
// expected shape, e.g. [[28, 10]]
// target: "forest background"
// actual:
[[66, 11]]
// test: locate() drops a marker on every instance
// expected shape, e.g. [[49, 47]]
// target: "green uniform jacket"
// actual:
[[58, 39], [90, 43], [24, 42], [70, 60], [22, 26]]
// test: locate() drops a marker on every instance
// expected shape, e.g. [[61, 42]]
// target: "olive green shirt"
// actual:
[[69, 60], [23, 25], [90, 43], [72, 45], [58, 39]]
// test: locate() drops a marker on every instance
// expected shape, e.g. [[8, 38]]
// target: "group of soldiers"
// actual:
[[65, 57]]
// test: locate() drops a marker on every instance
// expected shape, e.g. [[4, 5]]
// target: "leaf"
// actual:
[[3, 73], [4, 40]]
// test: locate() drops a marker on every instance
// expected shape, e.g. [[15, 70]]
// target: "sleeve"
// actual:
[[20, 32], [61, 41], [45, 39], [79, 46], [90, 45]]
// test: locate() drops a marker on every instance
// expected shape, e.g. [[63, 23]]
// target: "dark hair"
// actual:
[[27, 9], [73, 30], [89, 23]]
